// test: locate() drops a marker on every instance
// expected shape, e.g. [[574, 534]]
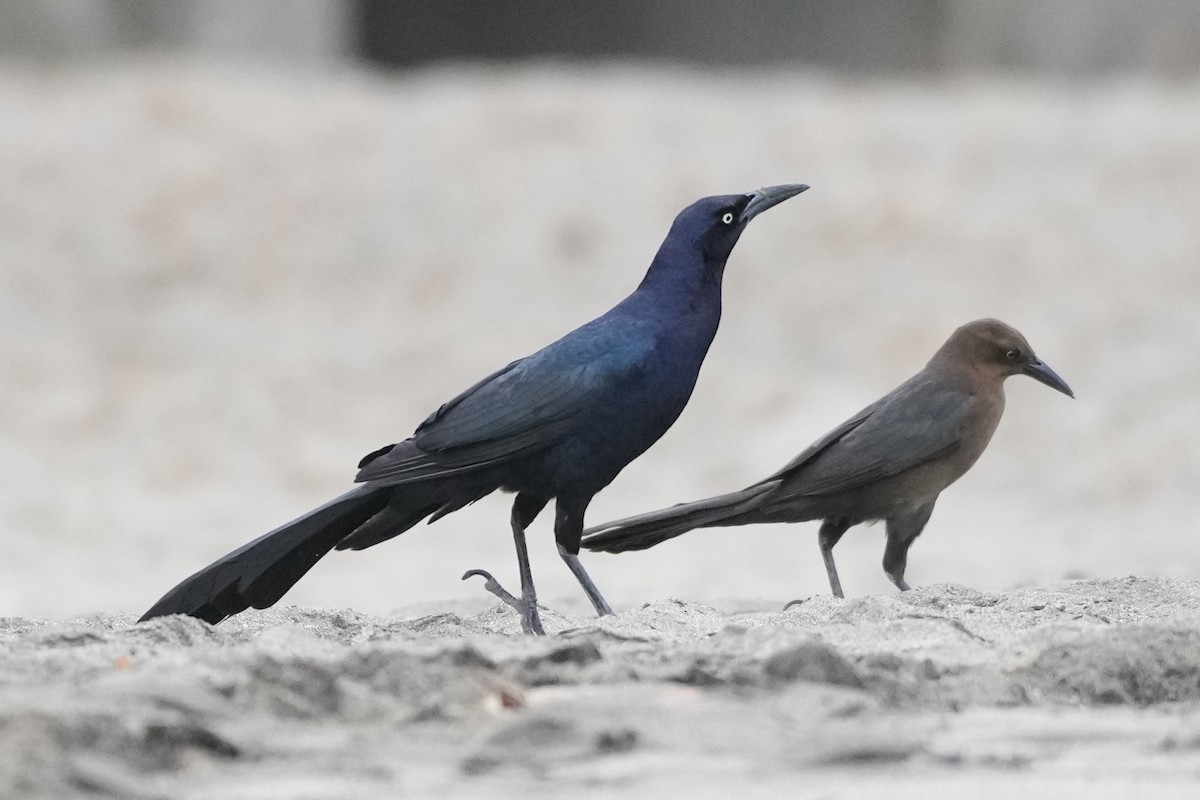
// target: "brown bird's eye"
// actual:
[[1013, 355]]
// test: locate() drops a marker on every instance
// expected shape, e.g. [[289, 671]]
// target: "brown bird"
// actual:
[[889, 461]]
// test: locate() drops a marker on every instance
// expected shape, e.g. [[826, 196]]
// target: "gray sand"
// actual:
[[221, 285], [1081, 688]]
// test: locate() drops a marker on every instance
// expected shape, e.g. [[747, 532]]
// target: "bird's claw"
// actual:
[[530, 620], [493, 586], [794, 603]]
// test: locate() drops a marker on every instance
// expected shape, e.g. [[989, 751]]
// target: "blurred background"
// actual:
[[1061, 36], [243, 244]]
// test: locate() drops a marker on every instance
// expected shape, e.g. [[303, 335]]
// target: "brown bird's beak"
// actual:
[[1040, 371], [769, 197]]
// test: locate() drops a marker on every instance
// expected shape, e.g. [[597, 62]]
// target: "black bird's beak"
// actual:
[[1040, 371], [769, 197]]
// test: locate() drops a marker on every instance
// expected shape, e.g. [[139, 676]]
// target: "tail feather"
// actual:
[[259, 573], [389, 522], [646, 530], [409, 505]]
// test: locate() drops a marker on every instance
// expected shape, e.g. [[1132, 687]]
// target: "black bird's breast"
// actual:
[[637, 386]]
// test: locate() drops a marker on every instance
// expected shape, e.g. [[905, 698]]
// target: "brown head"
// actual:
[[997, 350]]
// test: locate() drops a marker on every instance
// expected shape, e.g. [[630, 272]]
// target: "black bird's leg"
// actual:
[[901, 533], [831, 531], [525, 509], [568, 530]]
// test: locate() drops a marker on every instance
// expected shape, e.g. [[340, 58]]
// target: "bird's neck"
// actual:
[[682, 272], [956, 365], [689, 309]]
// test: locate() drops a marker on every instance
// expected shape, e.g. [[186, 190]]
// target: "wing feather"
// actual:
[[528, 405], [919, 421]]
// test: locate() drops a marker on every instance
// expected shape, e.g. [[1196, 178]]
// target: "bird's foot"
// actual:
[[804, 600], [493, 586], [531, 621]]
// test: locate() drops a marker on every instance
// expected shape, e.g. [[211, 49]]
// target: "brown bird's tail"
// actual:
[[646, 530]]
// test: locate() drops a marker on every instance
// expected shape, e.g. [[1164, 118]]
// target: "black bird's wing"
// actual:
[[528, 405], [919, 421]]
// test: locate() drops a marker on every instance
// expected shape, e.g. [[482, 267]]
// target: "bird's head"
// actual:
[[1000, 350], [712, 225]]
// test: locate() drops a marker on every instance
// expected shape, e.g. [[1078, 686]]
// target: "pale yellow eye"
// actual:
[[727, 217]]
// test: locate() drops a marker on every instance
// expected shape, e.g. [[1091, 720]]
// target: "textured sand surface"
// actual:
[[1085, 688], [222, 285]]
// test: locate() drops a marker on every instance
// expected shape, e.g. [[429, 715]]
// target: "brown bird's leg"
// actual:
[[524, 509], [568, 530], [831, 531], [901, 533]]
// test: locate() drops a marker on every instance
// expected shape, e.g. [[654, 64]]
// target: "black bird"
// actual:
[[889, 461], [558, 424]]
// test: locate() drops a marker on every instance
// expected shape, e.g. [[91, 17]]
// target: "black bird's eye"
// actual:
[[727, 218], [1013, 355]]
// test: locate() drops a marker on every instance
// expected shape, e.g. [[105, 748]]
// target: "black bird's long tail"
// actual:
[[259, 573], [646, 530]]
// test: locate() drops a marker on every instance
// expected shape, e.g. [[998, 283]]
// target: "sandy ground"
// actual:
[[221, 285], [1080, 689]]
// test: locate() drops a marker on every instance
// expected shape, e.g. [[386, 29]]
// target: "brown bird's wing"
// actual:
[[920, 420]]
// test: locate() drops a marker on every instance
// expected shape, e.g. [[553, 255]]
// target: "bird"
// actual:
[[559, 424], [890, 461]]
